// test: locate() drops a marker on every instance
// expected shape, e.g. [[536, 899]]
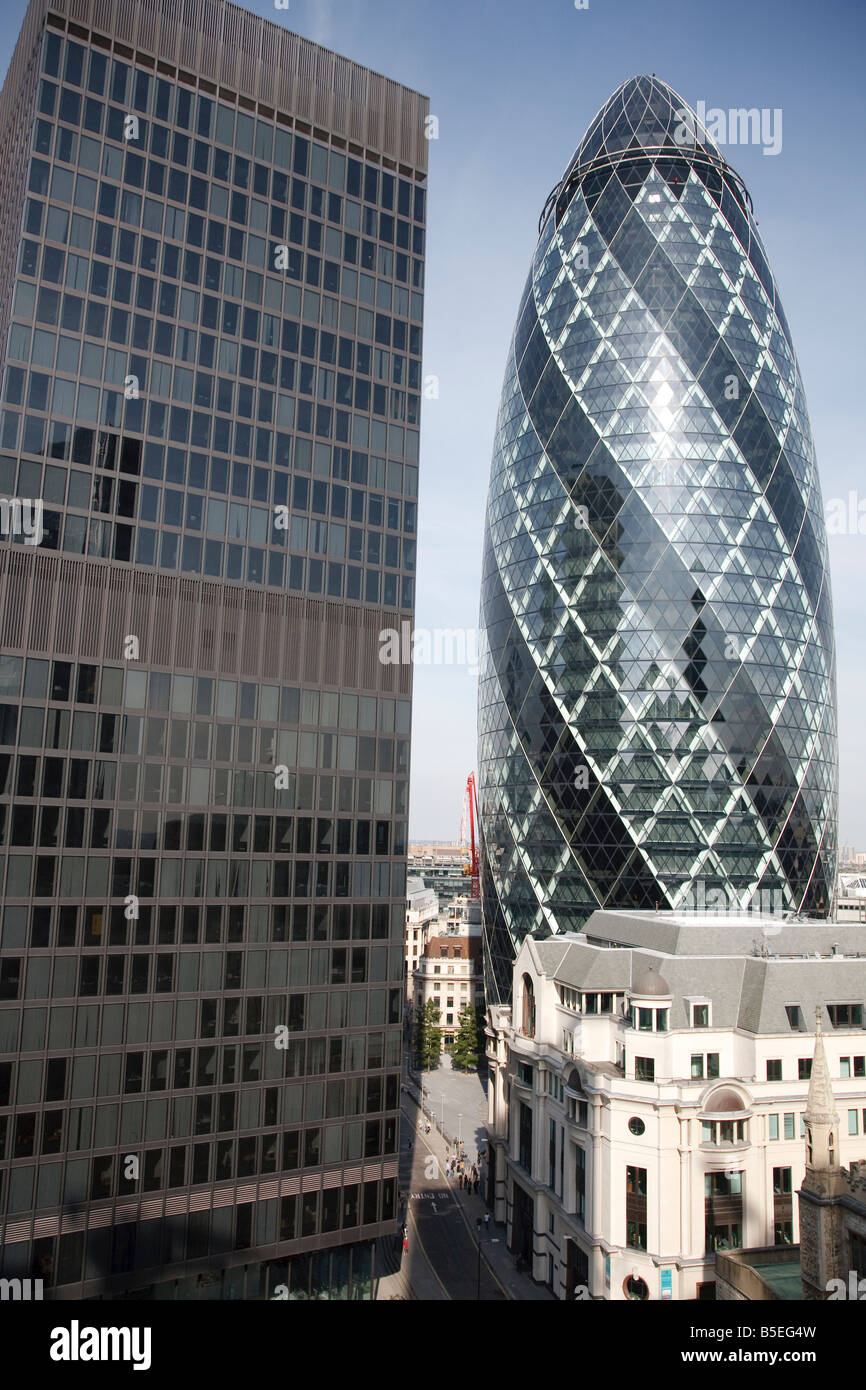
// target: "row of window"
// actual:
[[166, 973], [158, 1245], [136, 782], [139, 1021], [216, 123], [167, 550], [167, 691], [59, 828], [400, 252], [198, 1069], [167, 925], [397, 254], [108, 452], [363, 1139], [44, 876]]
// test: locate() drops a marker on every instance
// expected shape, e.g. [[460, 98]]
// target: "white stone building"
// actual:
[[647, 1095], [422, 909], [450, 972]]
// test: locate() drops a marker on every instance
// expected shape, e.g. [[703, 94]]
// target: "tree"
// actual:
[[428, 1037], [464, 1053]]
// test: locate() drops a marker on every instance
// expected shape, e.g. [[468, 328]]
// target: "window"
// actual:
[[578, 1112], [852, 1122], [783, 1225], [723, 1131], [705, 1065], [789, 1125], [525, 1137], [773, 1126], [795, 1017], [723, 1211], [846, 1015], [774, 1069], [528, 1017], [524, 1073], [636, 1126], [644, 1069], [781, 1181], [700, 1015], [598, 1003], [635, 1207], [804, 1068], [580, 1183]]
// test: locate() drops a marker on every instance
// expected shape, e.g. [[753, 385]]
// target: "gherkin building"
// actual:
[[657, 707]]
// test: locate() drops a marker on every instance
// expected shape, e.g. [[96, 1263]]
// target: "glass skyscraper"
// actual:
[[213, 259], [657, 709]]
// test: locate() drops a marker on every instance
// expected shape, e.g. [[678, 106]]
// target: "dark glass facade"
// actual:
[[657, 723], [211, 384]]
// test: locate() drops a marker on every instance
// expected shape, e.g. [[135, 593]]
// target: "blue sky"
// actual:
[[514, 86]]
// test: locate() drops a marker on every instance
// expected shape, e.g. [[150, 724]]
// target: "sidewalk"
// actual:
[[493, 1243]]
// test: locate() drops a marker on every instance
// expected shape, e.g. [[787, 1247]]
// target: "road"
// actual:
[[436, 1219]]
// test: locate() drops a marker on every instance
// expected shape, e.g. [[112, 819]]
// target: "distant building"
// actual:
[[422, 908], [449, 970], [442, 867], [851, 897], [648, 1095]]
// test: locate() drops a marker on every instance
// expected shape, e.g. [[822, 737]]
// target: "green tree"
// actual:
[[428, 1037], [464, 1053]]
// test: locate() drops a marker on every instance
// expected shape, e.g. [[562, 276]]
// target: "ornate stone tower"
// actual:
[[819, 1234]]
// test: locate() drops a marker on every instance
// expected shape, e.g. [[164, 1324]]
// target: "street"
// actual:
[[436, 1219]]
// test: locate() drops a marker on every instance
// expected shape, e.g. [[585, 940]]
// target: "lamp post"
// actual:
[[459, 1129], [478, 1229], [442, 1126]]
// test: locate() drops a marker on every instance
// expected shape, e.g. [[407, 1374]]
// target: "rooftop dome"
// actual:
[[650, 983], [645, 114], [645, 122]]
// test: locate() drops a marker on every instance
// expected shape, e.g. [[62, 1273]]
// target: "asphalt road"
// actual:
[[436, 1219]]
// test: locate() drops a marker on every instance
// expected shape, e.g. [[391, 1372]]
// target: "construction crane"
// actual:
[[470, 814]]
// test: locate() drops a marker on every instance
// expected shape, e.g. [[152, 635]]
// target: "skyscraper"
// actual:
[[657, 723], [213, 260]]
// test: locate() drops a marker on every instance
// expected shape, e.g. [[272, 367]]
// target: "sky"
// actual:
[[514, 87]]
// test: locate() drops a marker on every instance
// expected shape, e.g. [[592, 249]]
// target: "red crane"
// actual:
[[470, 806]]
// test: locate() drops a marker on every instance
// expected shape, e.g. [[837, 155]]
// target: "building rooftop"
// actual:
[[753, 968]]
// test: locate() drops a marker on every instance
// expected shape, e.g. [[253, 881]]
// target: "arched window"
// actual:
[[528, 1027]]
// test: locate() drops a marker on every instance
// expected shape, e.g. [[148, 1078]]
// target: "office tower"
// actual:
[[657, 719], [214, 239]]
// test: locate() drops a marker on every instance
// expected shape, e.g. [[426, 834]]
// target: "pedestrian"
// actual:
[[487, 1221], [475, 1188]]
